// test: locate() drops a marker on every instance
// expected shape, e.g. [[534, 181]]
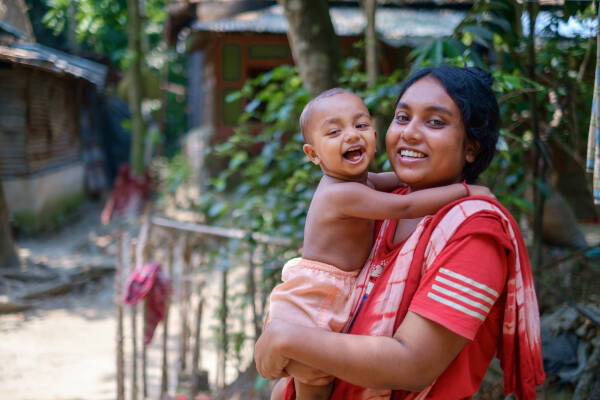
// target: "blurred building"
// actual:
[[48, 152], [232, 41]]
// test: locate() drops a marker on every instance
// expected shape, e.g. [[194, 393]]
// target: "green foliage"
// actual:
[[177, 171], [264, 164], [268, 182], [101, 25]]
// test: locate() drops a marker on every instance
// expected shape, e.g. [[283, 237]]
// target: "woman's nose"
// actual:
[[411, 132]]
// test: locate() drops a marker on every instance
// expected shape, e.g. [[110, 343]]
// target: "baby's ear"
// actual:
[[309, 150]]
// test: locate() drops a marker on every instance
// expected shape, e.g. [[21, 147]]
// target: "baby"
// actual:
[[338, 234]]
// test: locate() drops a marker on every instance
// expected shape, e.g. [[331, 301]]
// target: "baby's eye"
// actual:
[[362, 125], [333, 132]]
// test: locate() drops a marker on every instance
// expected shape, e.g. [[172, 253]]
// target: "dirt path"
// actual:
[[64, 348]]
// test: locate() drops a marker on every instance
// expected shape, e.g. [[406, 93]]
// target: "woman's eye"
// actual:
[[437, 123], [401, 117]]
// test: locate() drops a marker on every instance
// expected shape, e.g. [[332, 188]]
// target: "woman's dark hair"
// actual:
[[471, 90]]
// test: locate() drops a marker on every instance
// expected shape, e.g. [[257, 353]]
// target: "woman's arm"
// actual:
[[417, 354]]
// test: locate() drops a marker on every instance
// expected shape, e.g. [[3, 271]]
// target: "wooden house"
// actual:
[[43, 98], [226, 51]]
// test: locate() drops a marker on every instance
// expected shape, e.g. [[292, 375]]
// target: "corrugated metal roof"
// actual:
[[37, 55], [397, 26], [13, 31]]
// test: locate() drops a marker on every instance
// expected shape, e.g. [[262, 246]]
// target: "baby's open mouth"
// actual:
[[353, 154]]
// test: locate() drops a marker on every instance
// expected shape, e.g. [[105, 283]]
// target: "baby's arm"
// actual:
[[384, 181], [354, 199]]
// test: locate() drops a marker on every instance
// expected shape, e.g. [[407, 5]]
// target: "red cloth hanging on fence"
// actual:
[[148, 281]]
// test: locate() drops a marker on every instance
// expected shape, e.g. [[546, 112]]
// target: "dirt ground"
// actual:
[[64, 347]]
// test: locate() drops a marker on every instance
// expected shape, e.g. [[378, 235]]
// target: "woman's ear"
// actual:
[[472, 150], [309, 150]]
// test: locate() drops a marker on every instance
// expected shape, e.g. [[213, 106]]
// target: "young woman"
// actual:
[[439, 296]]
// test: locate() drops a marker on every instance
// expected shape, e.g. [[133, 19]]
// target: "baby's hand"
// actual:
[[477, 190]]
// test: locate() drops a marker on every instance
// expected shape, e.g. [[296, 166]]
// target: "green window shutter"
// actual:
[[231, 62], [231, 110], [269, 52]]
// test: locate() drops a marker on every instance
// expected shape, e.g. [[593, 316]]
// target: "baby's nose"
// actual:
[[352, 135]]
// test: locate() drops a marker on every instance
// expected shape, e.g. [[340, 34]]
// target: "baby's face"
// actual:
[[342, 137]]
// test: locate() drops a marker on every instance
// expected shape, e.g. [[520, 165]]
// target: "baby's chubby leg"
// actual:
[[310, 392]]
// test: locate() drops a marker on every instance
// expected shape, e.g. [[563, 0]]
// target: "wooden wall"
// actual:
[[38, 121], [13, 121]]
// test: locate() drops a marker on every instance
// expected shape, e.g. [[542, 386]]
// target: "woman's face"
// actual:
[[426, 141]]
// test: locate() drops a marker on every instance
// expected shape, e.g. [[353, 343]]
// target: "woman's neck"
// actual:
[[405, 228]]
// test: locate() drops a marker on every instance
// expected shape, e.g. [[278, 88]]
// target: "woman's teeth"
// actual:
[[411, 153]]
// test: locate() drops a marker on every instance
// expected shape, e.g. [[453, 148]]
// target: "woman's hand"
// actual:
[[268, 356], [271, 362], [308, 375]]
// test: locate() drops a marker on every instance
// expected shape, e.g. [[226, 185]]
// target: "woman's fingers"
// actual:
[[270, 362], [308, 375]]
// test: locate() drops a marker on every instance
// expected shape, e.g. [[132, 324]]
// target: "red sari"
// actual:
[[466, 268]]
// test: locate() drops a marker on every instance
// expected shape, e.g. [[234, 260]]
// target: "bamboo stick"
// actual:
[[223, 352], [118, 292], [134, 354], [196, 354], [216, 231], [252, 292], [185, 301], [142, 256], [164, 379], [144, 353]]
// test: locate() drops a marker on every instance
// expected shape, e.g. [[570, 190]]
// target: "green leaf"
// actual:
[[217, 209]]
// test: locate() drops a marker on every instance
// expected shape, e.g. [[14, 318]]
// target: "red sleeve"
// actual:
[[464, 282]]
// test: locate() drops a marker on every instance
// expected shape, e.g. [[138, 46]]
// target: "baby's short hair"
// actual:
[[307, 110]]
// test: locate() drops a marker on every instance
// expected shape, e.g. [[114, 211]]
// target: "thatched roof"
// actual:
[[14, 19]]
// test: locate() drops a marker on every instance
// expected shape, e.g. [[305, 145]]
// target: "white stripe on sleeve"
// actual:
[[465, 289], [468, 280], [456, 306]]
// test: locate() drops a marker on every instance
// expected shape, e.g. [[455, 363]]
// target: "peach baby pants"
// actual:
[[313, 294]]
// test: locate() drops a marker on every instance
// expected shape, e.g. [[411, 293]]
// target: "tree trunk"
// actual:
[[369, 7], [538, 159], [8, 253], [313, 42], [135, 89]]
